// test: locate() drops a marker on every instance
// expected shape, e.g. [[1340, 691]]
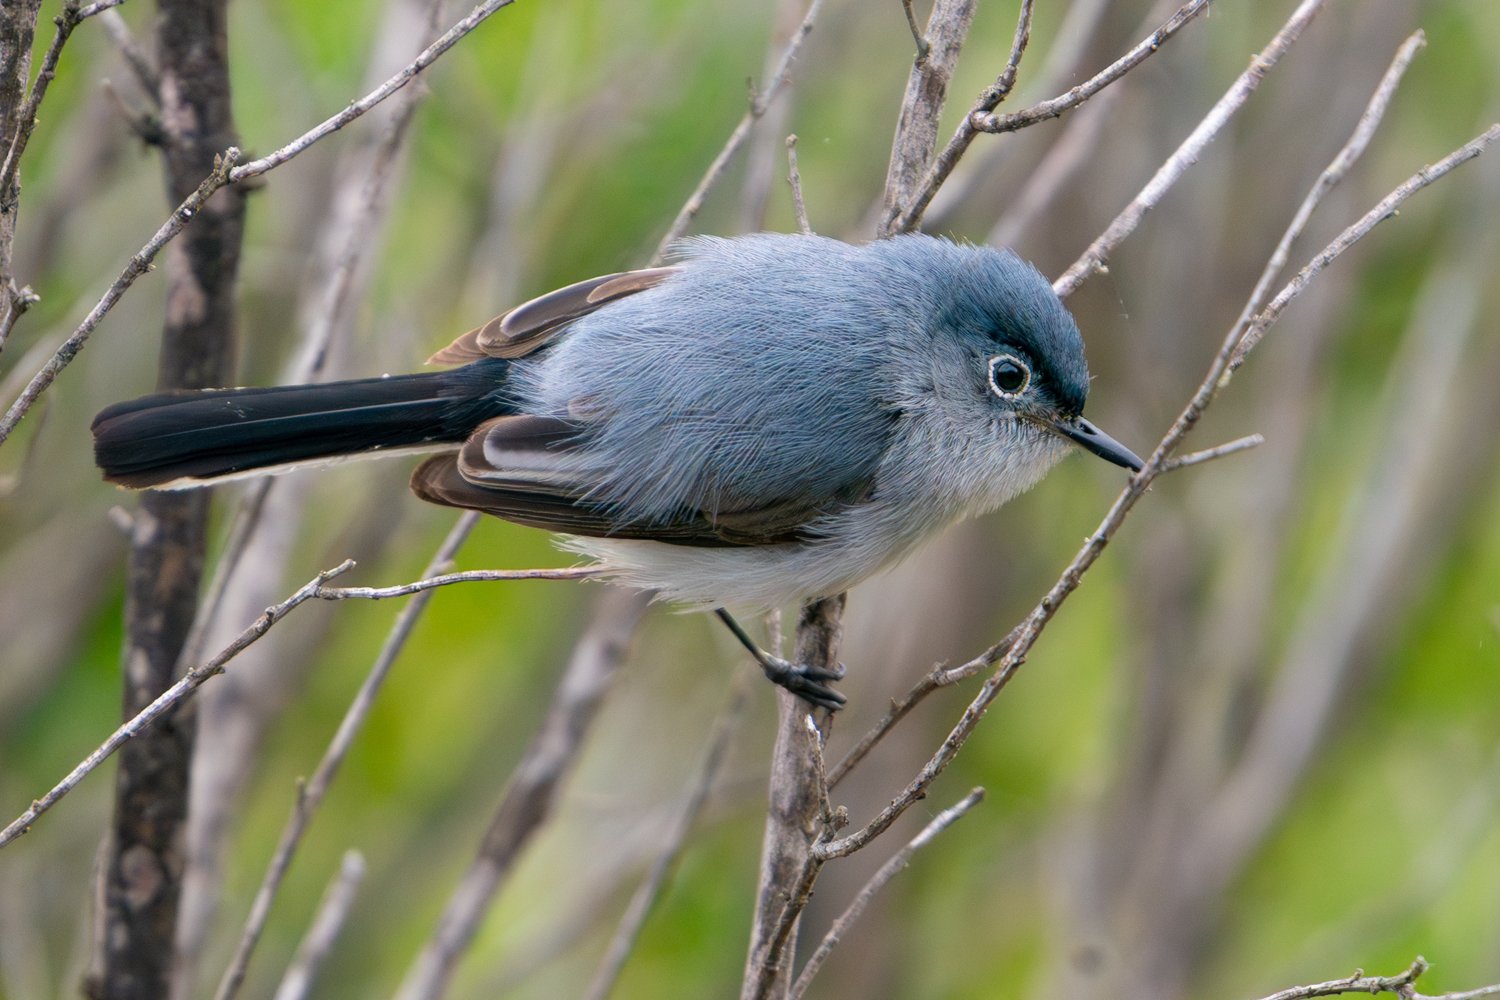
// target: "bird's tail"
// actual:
[[179, 440]]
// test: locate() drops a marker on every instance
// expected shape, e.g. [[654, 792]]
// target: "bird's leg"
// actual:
[[801, 679]]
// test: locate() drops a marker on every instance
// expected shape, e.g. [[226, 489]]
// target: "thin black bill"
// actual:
[[1092, 439]]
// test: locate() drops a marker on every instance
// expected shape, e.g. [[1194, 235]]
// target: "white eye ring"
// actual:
[[1003, 371]]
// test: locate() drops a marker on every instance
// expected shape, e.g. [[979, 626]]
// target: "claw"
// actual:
[[805, 681], [801, 679]]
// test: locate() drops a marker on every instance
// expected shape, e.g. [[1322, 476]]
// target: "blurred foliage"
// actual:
[[1389, 845]]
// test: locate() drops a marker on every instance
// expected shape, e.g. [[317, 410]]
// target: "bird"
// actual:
[[765, 419]]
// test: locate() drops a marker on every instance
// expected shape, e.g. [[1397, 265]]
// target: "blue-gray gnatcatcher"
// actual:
[[770, 419]]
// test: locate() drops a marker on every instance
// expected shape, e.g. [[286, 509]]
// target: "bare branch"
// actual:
[[982, 119], [408, 73], [757, 108], [1384, 210], [20, 125], [1357, 983], [916, 32], [532, 793], [138, 265], [1007, 658], [1402, 985], [798, 795], [169, 698], [1187, 154], [926, 93], [328, 922], [794, 178], [130, 50], [867, 892], [227, 172], [646, 894], [448, 579], [939, 677], [1474, 994], [1345, 159], [1209, 454], [310, 795], [1066, 102], [71, 17]]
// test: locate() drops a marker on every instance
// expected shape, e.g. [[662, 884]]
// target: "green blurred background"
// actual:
[[1260, 747]]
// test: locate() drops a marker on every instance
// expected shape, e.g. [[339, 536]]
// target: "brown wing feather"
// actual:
[[532, 324], [523, 469]]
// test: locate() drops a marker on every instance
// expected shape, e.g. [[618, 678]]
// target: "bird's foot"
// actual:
[[805, 681]]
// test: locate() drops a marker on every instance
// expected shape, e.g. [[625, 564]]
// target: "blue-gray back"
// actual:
[[772, 369]]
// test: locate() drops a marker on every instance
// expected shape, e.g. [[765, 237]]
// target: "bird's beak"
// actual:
[[1091, 438]]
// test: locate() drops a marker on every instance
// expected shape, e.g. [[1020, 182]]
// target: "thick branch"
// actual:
[[795, 818], [142, 876]]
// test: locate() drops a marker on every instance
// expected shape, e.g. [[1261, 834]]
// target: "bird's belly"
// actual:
[[753, 579]]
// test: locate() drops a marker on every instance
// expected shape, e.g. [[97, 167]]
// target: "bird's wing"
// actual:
[[535, 471], [533, 324]]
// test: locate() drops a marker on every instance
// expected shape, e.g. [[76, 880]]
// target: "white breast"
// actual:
[[927, 482]]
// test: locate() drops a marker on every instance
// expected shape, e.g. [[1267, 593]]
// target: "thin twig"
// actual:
[[19, 299], [71, 17], [1403, 985], [922, 105], [1071, 151], [998, 91], [757, 108], [1188, 152], [333, 912], [138, 265], [168, 699], [916, 32], [1056, 106], [1337, 168], [867, 892], [1008, 659], [532, 793], [981, 117], [357, 108], [448, 579], [1209, 454], [130, 50], [1474, 994], [646, 894], [794, 178], [939, 677], [310, 795], [1384, 210], [1357, 983], [226, 172]]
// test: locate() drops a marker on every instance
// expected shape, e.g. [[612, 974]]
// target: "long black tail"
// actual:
[[184, 439]]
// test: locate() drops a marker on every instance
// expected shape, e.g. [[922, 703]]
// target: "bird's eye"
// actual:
[[1009, 376]]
